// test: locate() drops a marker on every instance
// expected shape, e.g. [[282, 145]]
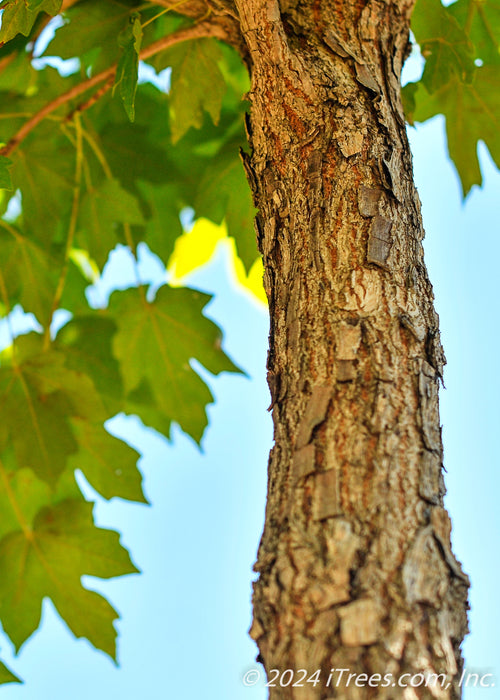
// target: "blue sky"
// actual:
[[462, 246], [185, 618]]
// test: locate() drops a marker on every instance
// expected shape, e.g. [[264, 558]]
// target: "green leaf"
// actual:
[[154, 344], [19, 16], [197, 85], [52, 7], [73, 297], [452, 84], [38, 395], [160, 162], [5, 181], [143, 403], [86, 342], [482, 20], [122, 142], [163, 225], [472, 114], [16, 19], [29, 272], [90, 33], [47, 557], [109, 464], [445, 46], [20, 102], [20, 73], [127, 70], [6, 675], [43, 169], [22, 495], [101, 210], [224, 193]]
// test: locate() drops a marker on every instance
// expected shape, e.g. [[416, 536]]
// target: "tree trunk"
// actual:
[[356, 570]]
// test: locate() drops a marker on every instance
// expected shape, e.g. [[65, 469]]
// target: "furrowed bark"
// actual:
[[355, 565]]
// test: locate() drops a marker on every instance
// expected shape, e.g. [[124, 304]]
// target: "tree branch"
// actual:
[[95, 97], [190, 8], [213, 27]]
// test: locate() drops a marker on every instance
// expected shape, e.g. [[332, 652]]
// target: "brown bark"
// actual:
[[355, 565]]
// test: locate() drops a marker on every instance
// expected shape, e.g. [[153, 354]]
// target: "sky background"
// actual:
[[185, 618]]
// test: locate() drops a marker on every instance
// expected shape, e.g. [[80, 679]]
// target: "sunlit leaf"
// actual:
[[197, 247], [194, 249]]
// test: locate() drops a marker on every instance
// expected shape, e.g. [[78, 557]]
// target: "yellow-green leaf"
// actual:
[[86, 342], [109, 464], [5, 180], [38, 396], [6, 675], [19, 16], [48, 557]]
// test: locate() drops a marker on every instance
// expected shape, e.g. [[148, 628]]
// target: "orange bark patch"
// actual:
[[294, 121], [357, 7], [338, 9], [279, 163], [329, 171], [318, 18], [296, 91]]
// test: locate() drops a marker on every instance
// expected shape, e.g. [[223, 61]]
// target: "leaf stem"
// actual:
[[163, 12], [71, 230], [95, 97], [98, 154]]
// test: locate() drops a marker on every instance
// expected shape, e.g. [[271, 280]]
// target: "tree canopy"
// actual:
[[93, 157]]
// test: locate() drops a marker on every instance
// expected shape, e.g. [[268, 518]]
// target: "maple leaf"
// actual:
[[154, 345]]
